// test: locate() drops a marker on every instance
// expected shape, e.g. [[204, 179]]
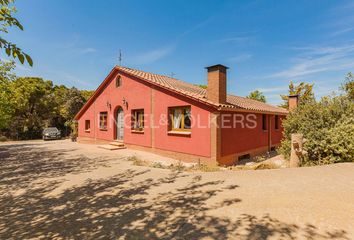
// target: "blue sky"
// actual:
[[264, 43]]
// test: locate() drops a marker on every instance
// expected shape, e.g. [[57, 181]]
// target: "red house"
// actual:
[[174, 118]]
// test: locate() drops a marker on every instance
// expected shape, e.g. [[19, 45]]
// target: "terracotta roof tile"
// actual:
[[233, 102]]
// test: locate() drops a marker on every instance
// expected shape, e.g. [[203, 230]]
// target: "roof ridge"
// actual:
[[165, 76], [197, 92], [135, 69], [254, 100]]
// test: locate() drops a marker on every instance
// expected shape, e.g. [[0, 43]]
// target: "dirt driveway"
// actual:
[[64, 190]]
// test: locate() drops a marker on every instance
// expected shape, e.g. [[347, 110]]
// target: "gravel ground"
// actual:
[[65, 190]]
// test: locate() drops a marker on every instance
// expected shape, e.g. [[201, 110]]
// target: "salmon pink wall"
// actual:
[[137, 96], [240, 137], [277, 135], [198, 143], [141, 95]]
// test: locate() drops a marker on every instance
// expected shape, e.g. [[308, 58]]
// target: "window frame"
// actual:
[[87, 123], [264, 122], [118, 81], [141, 119], [276, 122], [103, 117], [171, 120]]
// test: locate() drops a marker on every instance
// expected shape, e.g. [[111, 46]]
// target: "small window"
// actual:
[[118, 81], [103, 120], [264, 122], [180, 118], [276, 122], [138, 120], [87, 125], [244, 157]]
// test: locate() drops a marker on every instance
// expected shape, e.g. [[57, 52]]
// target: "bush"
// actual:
[[328, 126], [3, 139]]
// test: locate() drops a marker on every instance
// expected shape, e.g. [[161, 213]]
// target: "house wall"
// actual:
[[198, 143], [142, 95], [242, 133], [136, 94]]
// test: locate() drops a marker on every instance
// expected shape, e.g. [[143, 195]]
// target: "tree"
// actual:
[[6, 106], [74, 103], [7, 20], [29, 104], [304, 90], [201, 86], [33, 106], [86, 94], [328, 126], [348, 85], [257, 95]]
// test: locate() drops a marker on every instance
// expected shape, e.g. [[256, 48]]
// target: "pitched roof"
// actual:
[[199, 93], [188, 90]]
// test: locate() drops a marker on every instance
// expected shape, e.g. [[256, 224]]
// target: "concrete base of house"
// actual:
[[228, 160], [189, 158], [232, 159]]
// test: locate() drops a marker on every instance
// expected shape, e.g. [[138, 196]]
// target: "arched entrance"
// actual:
[[119, 124]]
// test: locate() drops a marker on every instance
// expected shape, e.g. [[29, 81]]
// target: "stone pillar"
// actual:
[[297, 151]]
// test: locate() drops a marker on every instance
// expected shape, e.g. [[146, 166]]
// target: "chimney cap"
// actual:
[[216, 66], [293, 95]]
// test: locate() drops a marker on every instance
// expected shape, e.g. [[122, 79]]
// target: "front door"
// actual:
[[120, 124]]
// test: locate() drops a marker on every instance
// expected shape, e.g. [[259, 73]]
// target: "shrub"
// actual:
[[3, 139], [179, 167], [204, 168], [328, 126], [137, 161], [157, 165]]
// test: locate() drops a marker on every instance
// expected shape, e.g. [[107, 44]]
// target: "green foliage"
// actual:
[[6, 21], [348, 86], [328, 126], [86, 94], [32, 102], [6, 107], [3, 139], [257, 95], [201, 85], [27, 105], [304, 90]]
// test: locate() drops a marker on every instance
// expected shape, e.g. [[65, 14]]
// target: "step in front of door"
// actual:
[[117, 143], [111, 147]]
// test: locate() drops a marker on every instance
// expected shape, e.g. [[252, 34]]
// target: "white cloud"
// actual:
[[235, 39], [154, 55], [71, 78], [241, 58], [273, 89], [88, 50], [318, 59], [342, 31]]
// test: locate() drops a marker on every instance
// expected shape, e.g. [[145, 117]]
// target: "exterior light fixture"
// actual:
[[108, 104], [125, 102]]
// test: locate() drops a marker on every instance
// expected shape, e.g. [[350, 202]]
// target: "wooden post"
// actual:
[[297, 151]]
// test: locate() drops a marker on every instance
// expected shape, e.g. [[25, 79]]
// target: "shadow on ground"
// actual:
[[22, 164], [121, 206]]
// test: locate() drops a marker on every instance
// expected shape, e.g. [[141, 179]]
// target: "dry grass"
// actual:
[[157, 165], [256, 166], [180, 167], [137, 161], [204, 168]]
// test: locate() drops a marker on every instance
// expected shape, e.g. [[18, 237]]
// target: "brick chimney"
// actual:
[[216, 90], [293, 101]]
